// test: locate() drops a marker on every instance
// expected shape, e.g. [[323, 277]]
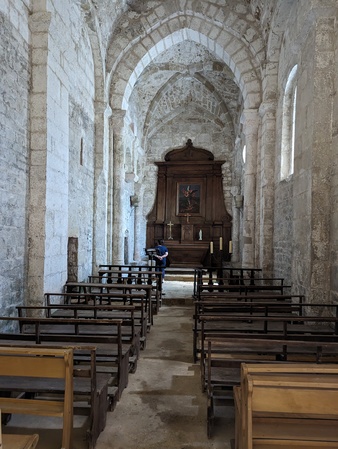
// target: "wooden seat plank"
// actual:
[[13, 441]]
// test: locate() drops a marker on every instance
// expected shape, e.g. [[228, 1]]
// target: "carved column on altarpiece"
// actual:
[[251, 123], [117, 121]]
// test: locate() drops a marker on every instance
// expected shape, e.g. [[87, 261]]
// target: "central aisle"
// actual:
[[163, 406]]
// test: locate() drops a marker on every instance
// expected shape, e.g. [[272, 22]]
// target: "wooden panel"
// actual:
[[202, 209], [188, 254]]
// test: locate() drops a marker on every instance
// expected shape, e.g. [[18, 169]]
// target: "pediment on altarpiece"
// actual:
[[189, 153]]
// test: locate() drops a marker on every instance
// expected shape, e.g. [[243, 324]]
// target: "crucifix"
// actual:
[[170, 224], [188, 215]]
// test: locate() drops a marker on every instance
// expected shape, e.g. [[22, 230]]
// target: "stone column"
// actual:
[[39, 23], [118, 179], [236, 221], [321, 204], [237, 204], [101, 183], [265, 190], [250, 130]]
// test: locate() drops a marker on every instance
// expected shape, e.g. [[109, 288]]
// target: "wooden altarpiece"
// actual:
[[189, 210]]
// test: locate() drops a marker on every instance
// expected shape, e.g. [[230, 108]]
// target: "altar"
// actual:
[[189, 212], [188, 255]]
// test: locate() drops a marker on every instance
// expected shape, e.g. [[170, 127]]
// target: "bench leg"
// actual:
[[210, 416]]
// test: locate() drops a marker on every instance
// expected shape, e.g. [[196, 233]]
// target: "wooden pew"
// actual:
[[136, 300], [100, 289], [112, 356], [131, 334], [88, 386], [132, 274], [301, 328], [287, 405], [290, 304], [221, 370], [21, 367], [243, 289], [209, 274]]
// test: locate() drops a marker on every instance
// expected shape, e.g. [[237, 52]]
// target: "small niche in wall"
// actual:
[[81, 151]]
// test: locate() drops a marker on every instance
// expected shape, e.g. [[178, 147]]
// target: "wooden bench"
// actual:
[[21, 367], [131, 334], [221, 370], [133, 274], [112, 356], [287, 405], [206, 275], [243, 289], [290, 304], [283, 327], [90, 388], [99, 289], [118, 299]]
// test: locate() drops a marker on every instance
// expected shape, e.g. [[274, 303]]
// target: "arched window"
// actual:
[[289, 125], [244, 154]]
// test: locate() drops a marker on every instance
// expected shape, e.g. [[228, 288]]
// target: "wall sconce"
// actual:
[[134, 201], [239, 201]]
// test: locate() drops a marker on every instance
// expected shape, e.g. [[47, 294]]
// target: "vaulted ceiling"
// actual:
[[175, 61]]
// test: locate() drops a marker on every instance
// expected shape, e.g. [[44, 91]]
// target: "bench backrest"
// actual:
[[48, 363], [287, 395]]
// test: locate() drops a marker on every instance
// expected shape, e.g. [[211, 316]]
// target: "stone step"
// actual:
[[179, 277], [179, 274]]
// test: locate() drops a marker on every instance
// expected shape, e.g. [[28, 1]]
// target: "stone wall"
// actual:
[[14, 154], [334, 198], [65, 70], [304, 199], [45, 198], [283, 238], [81, 185]]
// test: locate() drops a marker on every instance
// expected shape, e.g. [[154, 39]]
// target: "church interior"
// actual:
[[209, 124]]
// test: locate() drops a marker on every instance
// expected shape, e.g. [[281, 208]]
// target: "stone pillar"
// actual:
[[250, 130], [39, 23], [237, 203], [137, 256], [118, 179], [321, 204], [101, 183], [265, 189]]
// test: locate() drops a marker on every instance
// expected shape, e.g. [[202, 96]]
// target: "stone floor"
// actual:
[[163, 406]]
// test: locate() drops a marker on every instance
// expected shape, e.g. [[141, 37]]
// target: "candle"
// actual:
[[230, 246], [221, 243], [211, 247]]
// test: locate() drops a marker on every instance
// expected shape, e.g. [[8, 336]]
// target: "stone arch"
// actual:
[[243, 57], [101, 101]]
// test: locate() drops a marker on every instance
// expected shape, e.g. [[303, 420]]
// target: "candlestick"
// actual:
[[221, 243], [211, 247], [230, 246]]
